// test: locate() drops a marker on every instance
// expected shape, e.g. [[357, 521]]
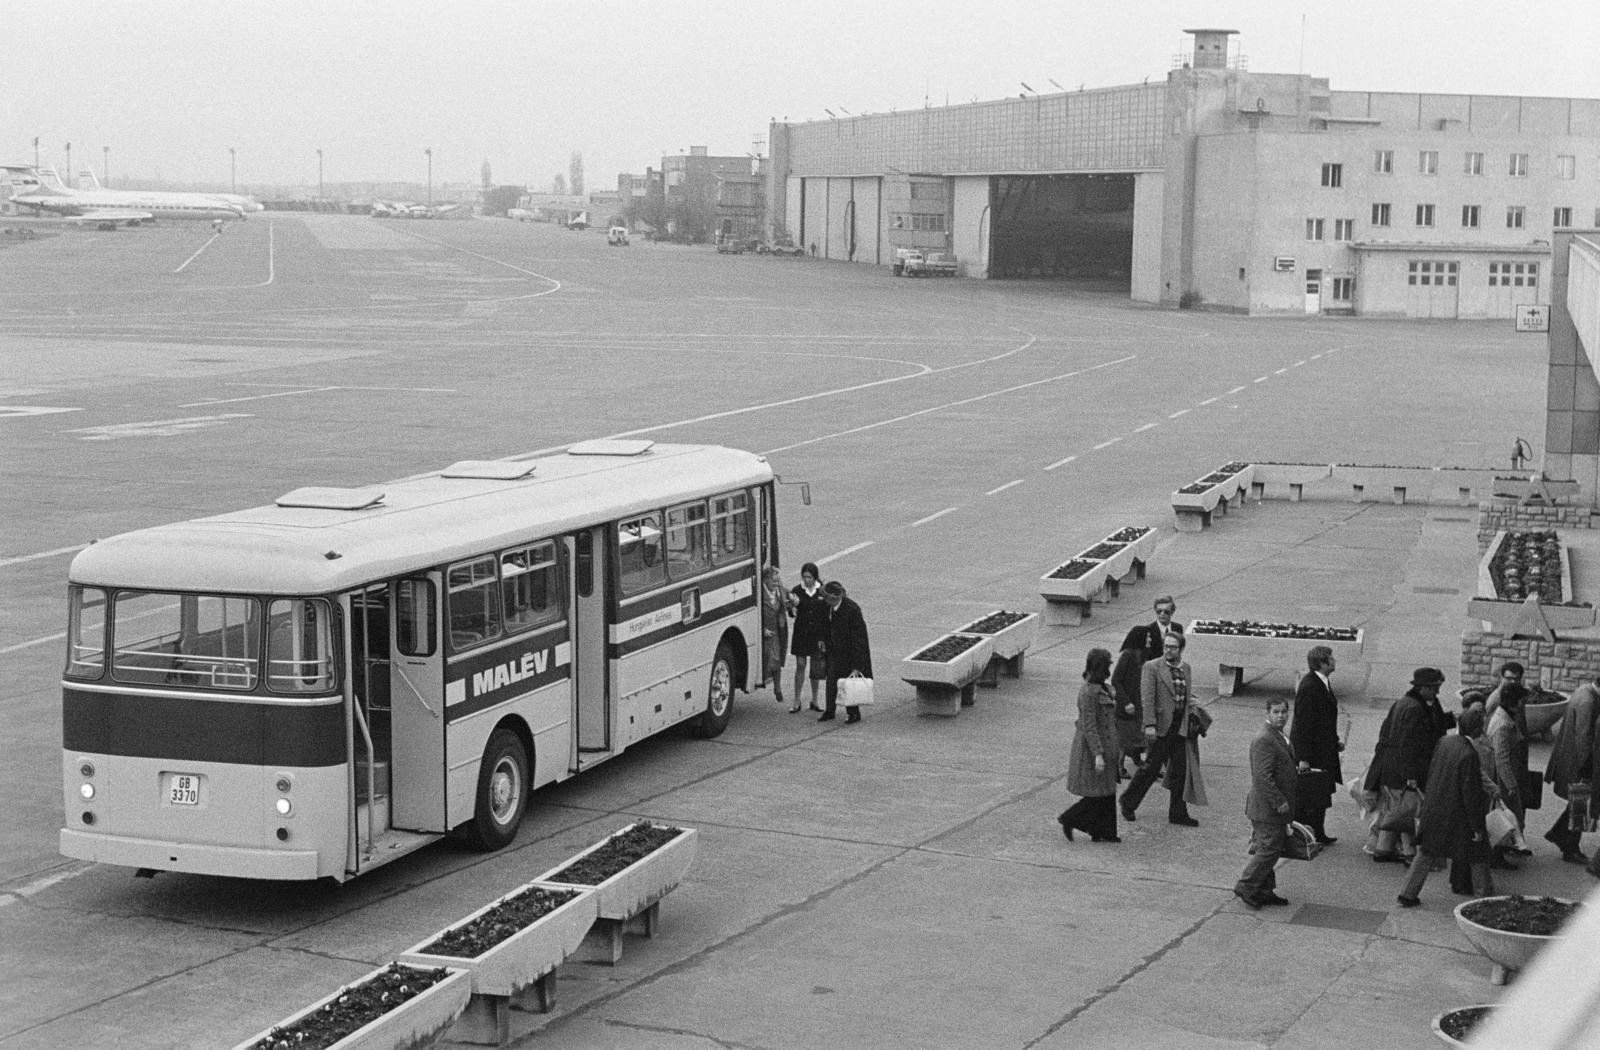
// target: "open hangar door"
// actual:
[[1063, 227]]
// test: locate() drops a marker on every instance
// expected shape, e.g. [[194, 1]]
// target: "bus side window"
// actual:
[[86, 633], [639, 562], [730, 527], [585, 563], [688, 541], [474, 608], [415, 616], [299, 645], [530, 589]]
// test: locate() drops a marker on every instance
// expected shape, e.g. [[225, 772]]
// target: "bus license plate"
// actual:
[[183, 789]]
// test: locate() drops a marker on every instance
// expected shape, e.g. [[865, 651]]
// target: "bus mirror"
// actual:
[[805, 488]]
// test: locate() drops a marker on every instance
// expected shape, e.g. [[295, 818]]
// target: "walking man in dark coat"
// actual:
[[1572, 762], [1270, 807], [1452, 819], [1315, 736], [846, 647], [1406, 740]]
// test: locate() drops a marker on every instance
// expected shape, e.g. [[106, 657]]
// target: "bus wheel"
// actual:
[[502, 791], [719, 695]]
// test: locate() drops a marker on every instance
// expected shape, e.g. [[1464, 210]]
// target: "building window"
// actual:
[[1566, 166], [1313, 229], [1432, 273], [1519, 165], [1513, 275], [1514, 215], [1469, 216], [1424, 215], [1344, 289], [929, 223], [1333, 175], [1383, 162], [1428, 162], [1563, 217], [1474, 165], [1344, 229], [1380, 215]]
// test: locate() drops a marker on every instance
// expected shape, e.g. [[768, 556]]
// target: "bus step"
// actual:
[[380, 780], [376, 815]]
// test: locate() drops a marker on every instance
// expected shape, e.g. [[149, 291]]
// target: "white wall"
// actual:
[[971, 224], [1148, 203]]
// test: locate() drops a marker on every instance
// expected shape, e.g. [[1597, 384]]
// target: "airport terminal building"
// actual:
[[1219, 188]]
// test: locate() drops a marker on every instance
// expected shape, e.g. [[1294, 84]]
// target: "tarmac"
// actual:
[[899, 883]]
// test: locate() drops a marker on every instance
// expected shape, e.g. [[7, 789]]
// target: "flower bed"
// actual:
[[947, 648], [396, 1006], [503, 919], [994, 623], [1525, 563], [1253, 629], [1102, 551], [1075, 569], [1129, 534], [622, 850], [1009, 633]]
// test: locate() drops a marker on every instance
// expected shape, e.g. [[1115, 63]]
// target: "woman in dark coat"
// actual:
[[807, 632], [1406, 741], [1092, 763], [1451, 824]]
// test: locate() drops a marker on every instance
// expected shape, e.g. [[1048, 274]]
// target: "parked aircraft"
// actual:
[[44, 193], [87, 180]]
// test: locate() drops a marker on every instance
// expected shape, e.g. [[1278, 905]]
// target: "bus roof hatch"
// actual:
[[323, 498], [489, 469]]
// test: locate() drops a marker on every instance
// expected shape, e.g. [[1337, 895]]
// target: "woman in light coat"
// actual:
[[1510, 747], [1095, 756]]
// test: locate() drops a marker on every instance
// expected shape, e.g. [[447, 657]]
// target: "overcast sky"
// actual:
[[170, 85]]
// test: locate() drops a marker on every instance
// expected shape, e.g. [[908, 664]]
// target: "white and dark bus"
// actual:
[[313, 688]]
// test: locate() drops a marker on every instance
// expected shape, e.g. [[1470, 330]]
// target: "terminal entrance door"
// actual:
[[1313, 291]]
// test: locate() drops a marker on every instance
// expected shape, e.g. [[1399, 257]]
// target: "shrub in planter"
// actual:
[[354, 1008], [947, 648], [504, 920], [1074, 569], [620, 851]]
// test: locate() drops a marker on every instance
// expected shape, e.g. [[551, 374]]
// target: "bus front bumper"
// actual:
[[233, 861]]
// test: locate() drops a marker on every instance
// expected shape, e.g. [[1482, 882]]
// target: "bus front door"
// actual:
[[416, 706], [591, 709]]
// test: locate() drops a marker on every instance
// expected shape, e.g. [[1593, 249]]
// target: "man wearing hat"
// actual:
[[1411, 730], [846, 646]]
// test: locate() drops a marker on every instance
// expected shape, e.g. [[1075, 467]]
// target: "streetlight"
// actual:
[[106, 152], [319, 175], [233, 171], [429, 152], [70, 181], [36, 151]]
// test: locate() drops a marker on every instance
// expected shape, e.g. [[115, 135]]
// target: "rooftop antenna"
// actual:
[[829, 112], [1058, 87], [1025, 87]]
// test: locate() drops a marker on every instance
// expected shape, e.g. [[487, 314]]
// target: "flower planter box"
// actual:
[[415, 1024], [945, 686], [1194, 504], [1292, 477], [1529, 618], [1550, 587], [1285, 647], [1095, 573], [1443, 1023], [635, 891], [1009, 643], [522, 963], [1508, 951]]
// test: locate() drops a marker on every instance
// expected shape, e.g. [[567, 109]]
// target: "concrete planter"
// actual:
[[1194, 510], [1291, 478], [1507, 951], [415, 1024], [1009, 641], [1068, 600], [1232, 653], [1450, 1040], [1389, 484], [637, 889], [1512, 618], [957, 672], [1082, 588], [1542, 718]]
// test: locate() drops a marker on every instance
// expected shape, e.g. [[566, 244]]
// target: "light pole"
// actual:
[[106, 153], [233, 171], [429, 152], [36, 151], [319, 174], [70, 181]]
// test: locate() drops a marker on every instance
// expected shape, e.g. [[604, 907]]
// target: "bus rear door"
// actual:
[[416, 697], [590, 659]]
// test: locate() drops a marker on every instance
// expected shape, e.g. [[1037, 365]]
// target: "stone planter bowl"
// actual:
[[1507, 951], [1450, 1040], [1543, 718]]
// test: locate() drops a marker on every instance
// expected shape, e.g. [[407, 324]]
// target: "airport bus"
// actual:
[[313, 688]]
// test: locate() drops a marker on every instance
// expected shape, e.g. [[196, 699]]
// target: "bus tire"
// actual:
[[502, 791], [719, 695]]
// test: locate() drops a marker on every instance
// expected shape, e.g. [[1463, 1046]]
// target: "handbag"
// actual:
[[855, 691], [1199, 720], [1300, 842], [1398, 810], [1502, 824], [1532, 788]]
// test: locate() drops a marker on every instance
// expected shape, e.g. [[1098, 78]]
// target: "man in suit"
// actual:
[[1314, 734], [1164, 692], [1270, 807], [1148, 636], [1142, 644], [846, 647]]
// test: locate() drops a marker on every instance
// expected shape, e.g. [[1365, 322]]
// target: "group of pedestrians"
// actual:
[[1434, 792], [822, 628]]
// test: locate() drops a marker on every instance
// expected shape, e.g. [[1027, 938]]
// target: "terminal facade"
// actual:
[[1217, 188]]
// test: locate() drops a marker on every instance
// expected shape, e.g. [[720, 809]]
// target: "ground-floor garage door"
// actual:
[[1433, 288], [1063, 227]]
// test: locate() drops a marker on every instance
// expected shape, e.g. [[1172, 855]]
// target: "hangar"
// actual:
[[1214, 188]]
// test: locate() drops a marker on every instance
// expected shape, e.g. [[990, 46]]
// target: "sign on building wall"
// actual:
[[1533, 317], [1282, 263]]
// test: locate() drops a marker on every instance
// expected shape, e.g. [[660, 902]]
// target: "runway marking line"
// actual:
[[935, 516], [1147, 426], [1107, 444], [1061, 462], [1178, 413], [841, 554], [1002, 488]]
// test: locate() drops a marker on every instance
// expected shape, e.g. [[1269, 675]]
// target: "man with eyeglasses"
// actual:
[[1164, 691]]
